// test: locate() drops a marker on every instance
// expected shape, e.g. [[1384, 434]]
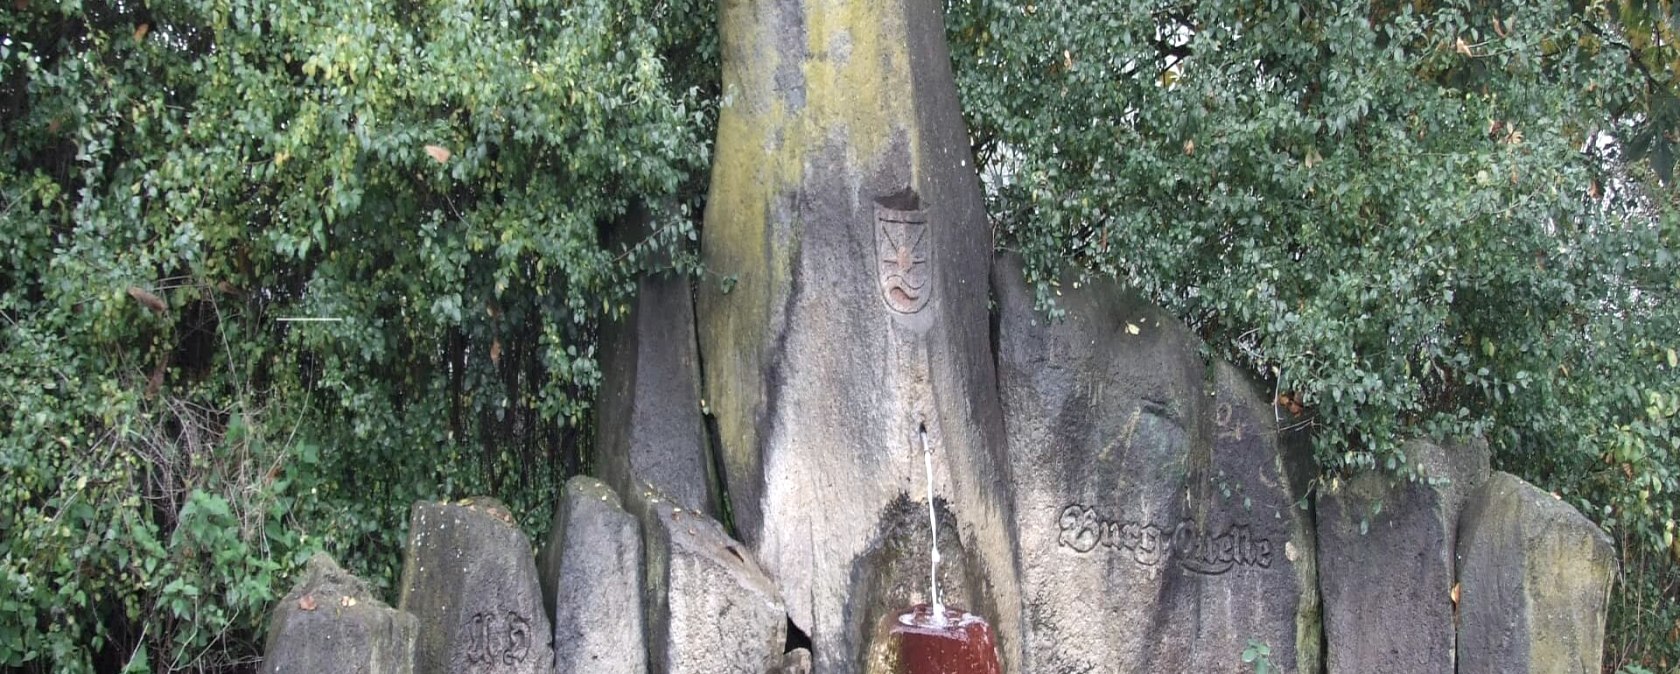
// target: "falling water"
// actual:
[[933, 638], [933, 526]]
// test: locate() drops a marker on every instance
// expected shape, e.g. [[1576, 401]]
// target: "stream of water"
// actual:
[[933, 638], [933, 526]]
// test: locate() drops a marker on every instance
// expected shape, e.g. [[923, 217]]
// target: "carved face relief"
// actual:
[[901, 239]]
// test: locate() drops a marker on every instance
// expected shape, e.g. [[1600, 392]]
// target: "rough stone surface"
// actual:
[[470, 579], [1386, 562], [1534, 582], [330, 622], [847, 217], [1156, 498], [592, 582], [796, 661], [709, 608], [648, 410]]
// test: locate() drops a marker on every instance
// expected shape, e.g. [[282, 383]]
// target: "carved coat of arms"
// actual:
[[902, 243]]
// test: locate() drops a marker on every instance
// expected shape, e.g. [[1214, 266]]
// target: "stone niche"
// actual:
[[1159, 499], [894, 573]]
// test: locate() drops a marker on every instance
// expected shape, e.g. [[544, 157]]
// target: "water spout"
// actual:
[[933, 527], [934, 638]]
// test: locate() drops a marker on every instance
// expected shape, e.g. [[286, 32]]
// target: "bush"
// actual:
[[277, 270], [1436, 219]]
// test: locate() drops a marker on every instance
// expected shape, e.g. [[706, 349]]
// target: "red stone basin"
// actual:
[[961, 644]]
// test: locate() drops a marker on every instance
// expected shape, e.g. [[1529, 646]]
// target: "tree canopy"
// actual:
[[1441, 219], [277, 270]]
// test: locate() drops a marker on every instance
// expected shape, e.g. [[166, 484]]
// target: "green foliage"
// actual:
[[1258, 654], [427, 183], [1646, 621], [1438, 218], [274, 271]]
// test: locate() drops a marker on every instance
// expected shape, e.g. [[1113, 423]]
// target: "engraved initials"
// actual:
[[519, 639], [1222, 418], [483, 639], [478, 639]]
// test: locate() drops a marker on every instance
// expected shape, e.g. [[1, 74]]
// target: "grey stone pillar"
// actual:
[[846, 231]]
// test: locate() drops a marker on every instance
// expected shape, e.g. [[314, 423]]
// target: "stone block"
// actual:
[[330, 622], [470, 580], [1386, 561], [1158, 498], [649, 420], [708, 607], [846, 306], [592, 582], [1534, 582]]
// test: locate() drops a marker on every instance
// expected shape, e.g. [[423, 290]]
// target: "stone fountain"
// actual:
[[861, 448]]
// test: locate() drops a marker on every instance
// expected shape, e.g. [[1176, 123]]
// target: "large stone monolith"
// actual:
[[1386, 563], [1158, 498], [648, 420], [846, 305], [1534, 582]]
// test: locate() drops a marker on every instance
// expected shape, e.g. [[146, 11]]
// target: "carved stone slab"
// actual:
[[330, 622], [1156, 499], [470, 579], [1386, 566], [901, 237], [592, 582], [1534, 582], [709, 608]]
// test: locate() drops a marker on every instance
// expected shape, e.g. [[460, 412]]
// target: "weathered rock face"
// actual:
[[708, 606], [847, 215], [648, 411], [470, 579], [1156, 499], [796, 661], [1534, 582], [592, 582], [1386, 562], [330, 622]]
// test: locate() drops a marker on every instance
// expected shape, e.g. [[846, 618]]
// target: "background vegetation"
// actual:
[[1419, 218], [423, 183], [1437, 219]]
